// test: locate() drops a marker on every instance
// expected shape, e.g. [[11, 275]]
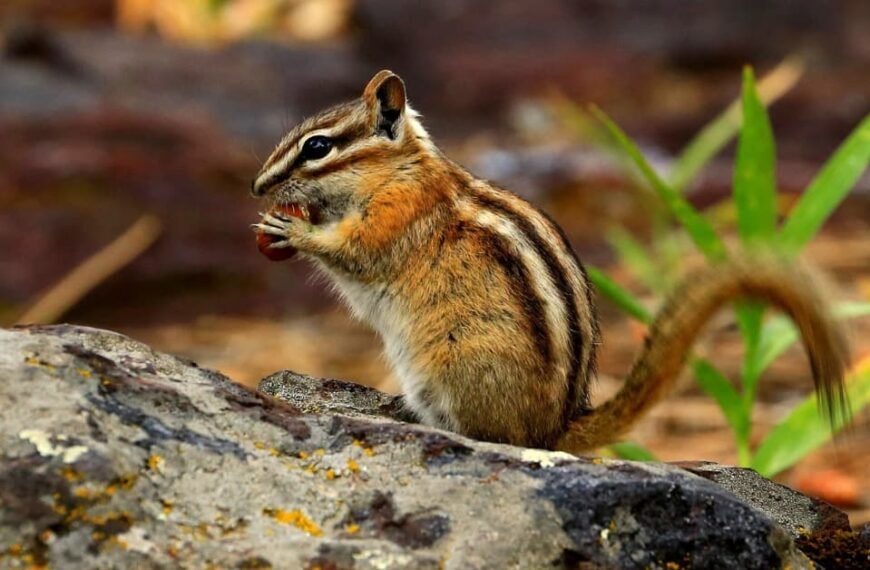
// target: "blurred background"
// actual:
[[111, 110]]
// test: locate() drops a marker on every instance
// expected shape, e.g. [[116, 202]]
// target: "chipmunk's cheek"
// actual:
[[332, 208]]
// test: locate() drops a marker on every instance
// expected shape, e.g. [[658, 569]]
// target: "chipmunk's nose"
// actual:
[[259, 186]]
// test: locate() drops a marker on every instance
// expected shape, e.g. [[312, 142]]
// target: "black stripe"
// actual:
[[325, 120], [341, 140], [342, 162], [521, 283], [592, 365], [561, 281]]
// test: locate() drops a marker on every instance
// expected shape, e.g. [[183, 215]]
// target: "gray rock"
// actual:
[[115, 456]]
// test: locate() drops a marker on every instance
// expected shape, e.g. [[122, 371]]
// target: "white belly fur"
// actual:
[[384, 313]]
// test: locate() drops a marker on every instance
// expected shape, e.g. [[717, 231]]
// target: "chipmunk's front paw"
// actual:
[[280, 235], [285, 231]]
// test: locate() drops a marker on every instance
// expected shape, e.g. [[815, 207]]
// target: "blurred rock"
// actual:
[[114, 455], [76, 182]]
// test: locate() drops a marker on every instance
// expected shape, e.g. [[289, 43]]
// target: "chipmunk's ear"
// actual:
[[385, 97]]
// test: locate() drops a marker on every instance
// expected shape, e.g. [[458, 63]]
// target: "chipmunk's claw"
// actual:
[[276, 220], [270, 229]]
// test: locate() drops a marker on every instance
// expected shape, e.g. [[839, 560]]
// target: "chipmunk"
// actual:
[[486, 313]]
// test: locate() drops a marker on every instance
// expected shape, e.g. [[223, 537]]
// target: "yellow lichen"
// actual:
[[154, 462], [167, 507], [114, 542], [201, 532], [70, 474], [303, 455], [295, 517], [33, 360], [84, 373], [330, 474], [352, 528], [127, 482], [260, 445], [352, 465], [366, 448]]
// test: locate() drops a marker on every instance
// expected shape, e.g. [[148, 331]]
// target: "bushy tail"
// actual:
[[679, 323]]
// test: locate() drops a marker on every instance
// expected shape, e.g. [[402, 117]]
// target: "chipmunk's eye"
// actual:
[[316, 147]]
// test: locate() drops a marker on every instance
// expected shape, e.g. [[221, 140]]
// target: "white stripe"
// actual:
[[555, 311], [569, 267], [283, 165]]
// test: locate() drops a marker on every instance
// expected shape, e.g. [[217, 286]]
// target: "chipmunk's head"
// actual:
[[332, 162]]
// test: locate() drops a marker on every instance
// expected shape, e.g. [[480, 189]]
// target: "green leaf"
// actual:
[[777, 335], [719, 132], [620, 296], [696, 226], [715, 385], [852, 309], [828, 189], [632, 451], [749, 319], [755, 169], [806, 428], [636, 259]]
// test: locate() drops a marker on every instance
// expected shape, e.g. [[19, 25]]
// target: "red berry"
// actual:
[[264, 240]]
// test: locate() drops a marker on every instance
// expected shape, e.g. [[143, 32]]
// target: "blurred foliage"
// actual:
[[755, 201], [216, 21]]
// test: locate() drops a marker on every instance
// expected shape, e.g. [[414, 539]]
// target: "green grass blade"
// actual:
[[696, 226], [719, 132], [634, 256], [632, 451], [852, 310], [830, 186], [755, 169], [749, 319], [777, 335], [620, 296], [807, 428], [715, 385]]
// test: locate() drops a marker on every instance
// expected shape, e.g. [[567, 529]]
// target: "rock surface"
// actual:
[[113, 455]]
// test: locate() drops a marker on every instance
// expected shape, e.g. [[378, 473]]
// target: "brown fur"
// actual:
[[485, 311]]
